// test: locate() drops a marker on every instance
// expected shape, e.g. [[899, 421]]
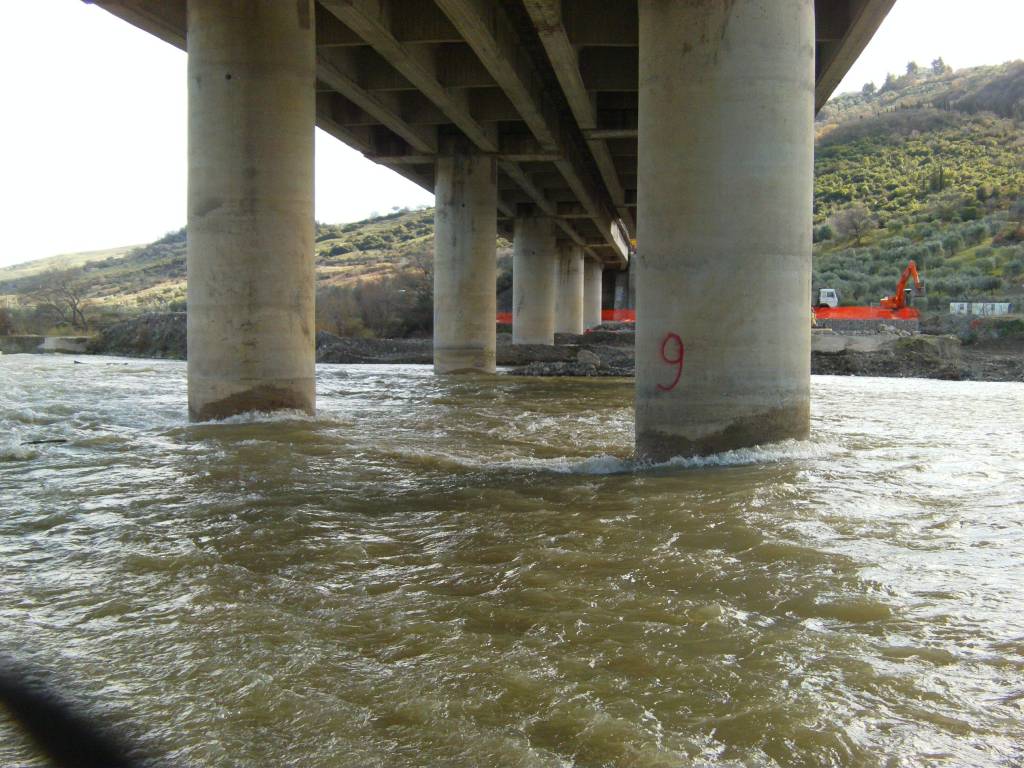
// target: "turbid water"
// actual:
[[466, 572]]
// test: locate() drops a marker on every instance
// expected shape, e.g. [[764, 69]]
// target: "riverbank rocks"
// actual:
[[593, 361], [608, 351], [932, 357], [338, 350], [160, 335]]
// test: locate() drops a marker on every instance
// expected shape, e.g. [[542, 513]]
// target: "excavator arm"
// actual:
[[899, 299]]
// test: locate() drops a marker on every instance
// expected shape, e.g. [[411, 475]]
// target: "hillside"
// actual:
[[62, 261], [930, 166], [152, 277]]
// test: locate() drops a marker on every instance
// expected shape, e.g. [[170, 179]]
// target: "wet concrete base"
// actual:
[[772, 426], [463, 360], [261, 398]]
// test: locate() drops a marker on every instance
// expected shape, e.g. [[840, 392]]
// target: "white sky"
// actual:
[[93, 140]]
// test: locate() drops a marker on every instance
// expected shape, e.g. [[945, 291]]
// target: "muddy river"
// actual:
[[472, 572]]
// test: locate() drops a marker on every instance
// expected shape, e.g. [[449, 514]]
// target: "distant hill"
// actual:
[[936, 160], [921, 134], [152, 277], [935, 157], [62, 261]]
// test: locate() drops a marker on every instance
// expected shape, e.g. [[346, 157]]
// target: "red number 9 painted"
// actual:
[[672, 353]]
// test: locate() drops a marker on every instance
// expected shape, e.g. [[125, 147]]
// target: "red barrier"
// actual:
[[821, 313], [607, 316], [865, 313], [618, 315]]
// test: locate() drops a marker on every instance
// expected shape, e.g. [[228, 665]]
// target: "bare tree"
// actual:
[[60, 296], [854, 221], [379, 305], [338, 313], [422, 264]]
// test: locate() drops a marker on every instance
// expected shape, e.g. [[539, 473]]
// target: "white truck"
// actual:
[[827, 297]]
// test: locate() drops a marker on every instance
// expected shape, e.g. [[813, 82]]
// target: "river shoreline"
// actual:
[[608, 351]]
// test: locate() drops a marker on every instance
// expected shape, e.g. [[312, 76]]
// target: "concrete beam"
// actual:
[[357, 137], [516, 173], [865, 17], [831, 19], [458, 67], [415, 21], [423, 159], [165, 20], [371, 20], [610, 69], [494, 39], [587, 22], [339, 73], [546, 18], [331, 33], [490, 34], [610, 133]]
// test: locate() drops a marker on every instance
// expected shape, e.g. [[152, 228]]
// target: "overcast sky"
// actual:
[[92, 140]]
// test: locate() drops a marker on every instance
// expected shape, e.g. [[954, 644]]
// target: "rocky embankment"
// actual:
[[926, 357], [154, 335], [600, 353], [961, 351]]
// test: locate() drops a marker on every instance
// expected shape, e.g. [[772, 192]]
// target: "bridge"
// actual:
[[572, 126]]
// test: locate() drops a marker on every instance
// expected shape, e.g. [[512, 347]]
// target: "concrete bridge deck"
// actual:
[[548, 87]]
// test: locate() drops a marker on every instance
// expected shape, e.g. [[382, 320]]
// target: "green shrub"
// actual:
[[986, 283]]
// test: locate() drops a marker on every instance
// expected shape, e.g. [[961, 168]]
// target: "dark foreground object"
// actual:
[[70, 739]]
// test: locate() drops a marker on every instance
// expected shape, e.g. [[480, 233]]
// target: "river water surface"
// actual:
[[467, 572]]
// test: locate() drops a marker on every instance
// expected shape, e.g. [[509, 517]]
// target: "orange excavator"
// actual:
[[895, 307], [899, 300]]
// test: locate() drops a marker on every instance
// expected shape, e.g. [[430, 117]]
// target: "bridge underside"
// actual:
[[556, 120], [548, 87]]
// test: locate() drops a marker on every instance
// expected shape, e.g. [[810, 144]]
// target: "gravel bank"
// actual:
[[608, 351]]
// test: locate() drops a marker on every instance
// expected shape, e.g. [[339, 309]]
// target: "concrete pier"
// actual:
[[569, 289], [622, 290], [686, 126], [724, 224], [592, 272], [533, 280], [251, 111], [466, 227]]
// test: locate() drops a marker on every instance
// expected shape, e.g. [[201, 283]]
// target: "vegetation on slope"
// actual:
[[374, 277], [928, 167]]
